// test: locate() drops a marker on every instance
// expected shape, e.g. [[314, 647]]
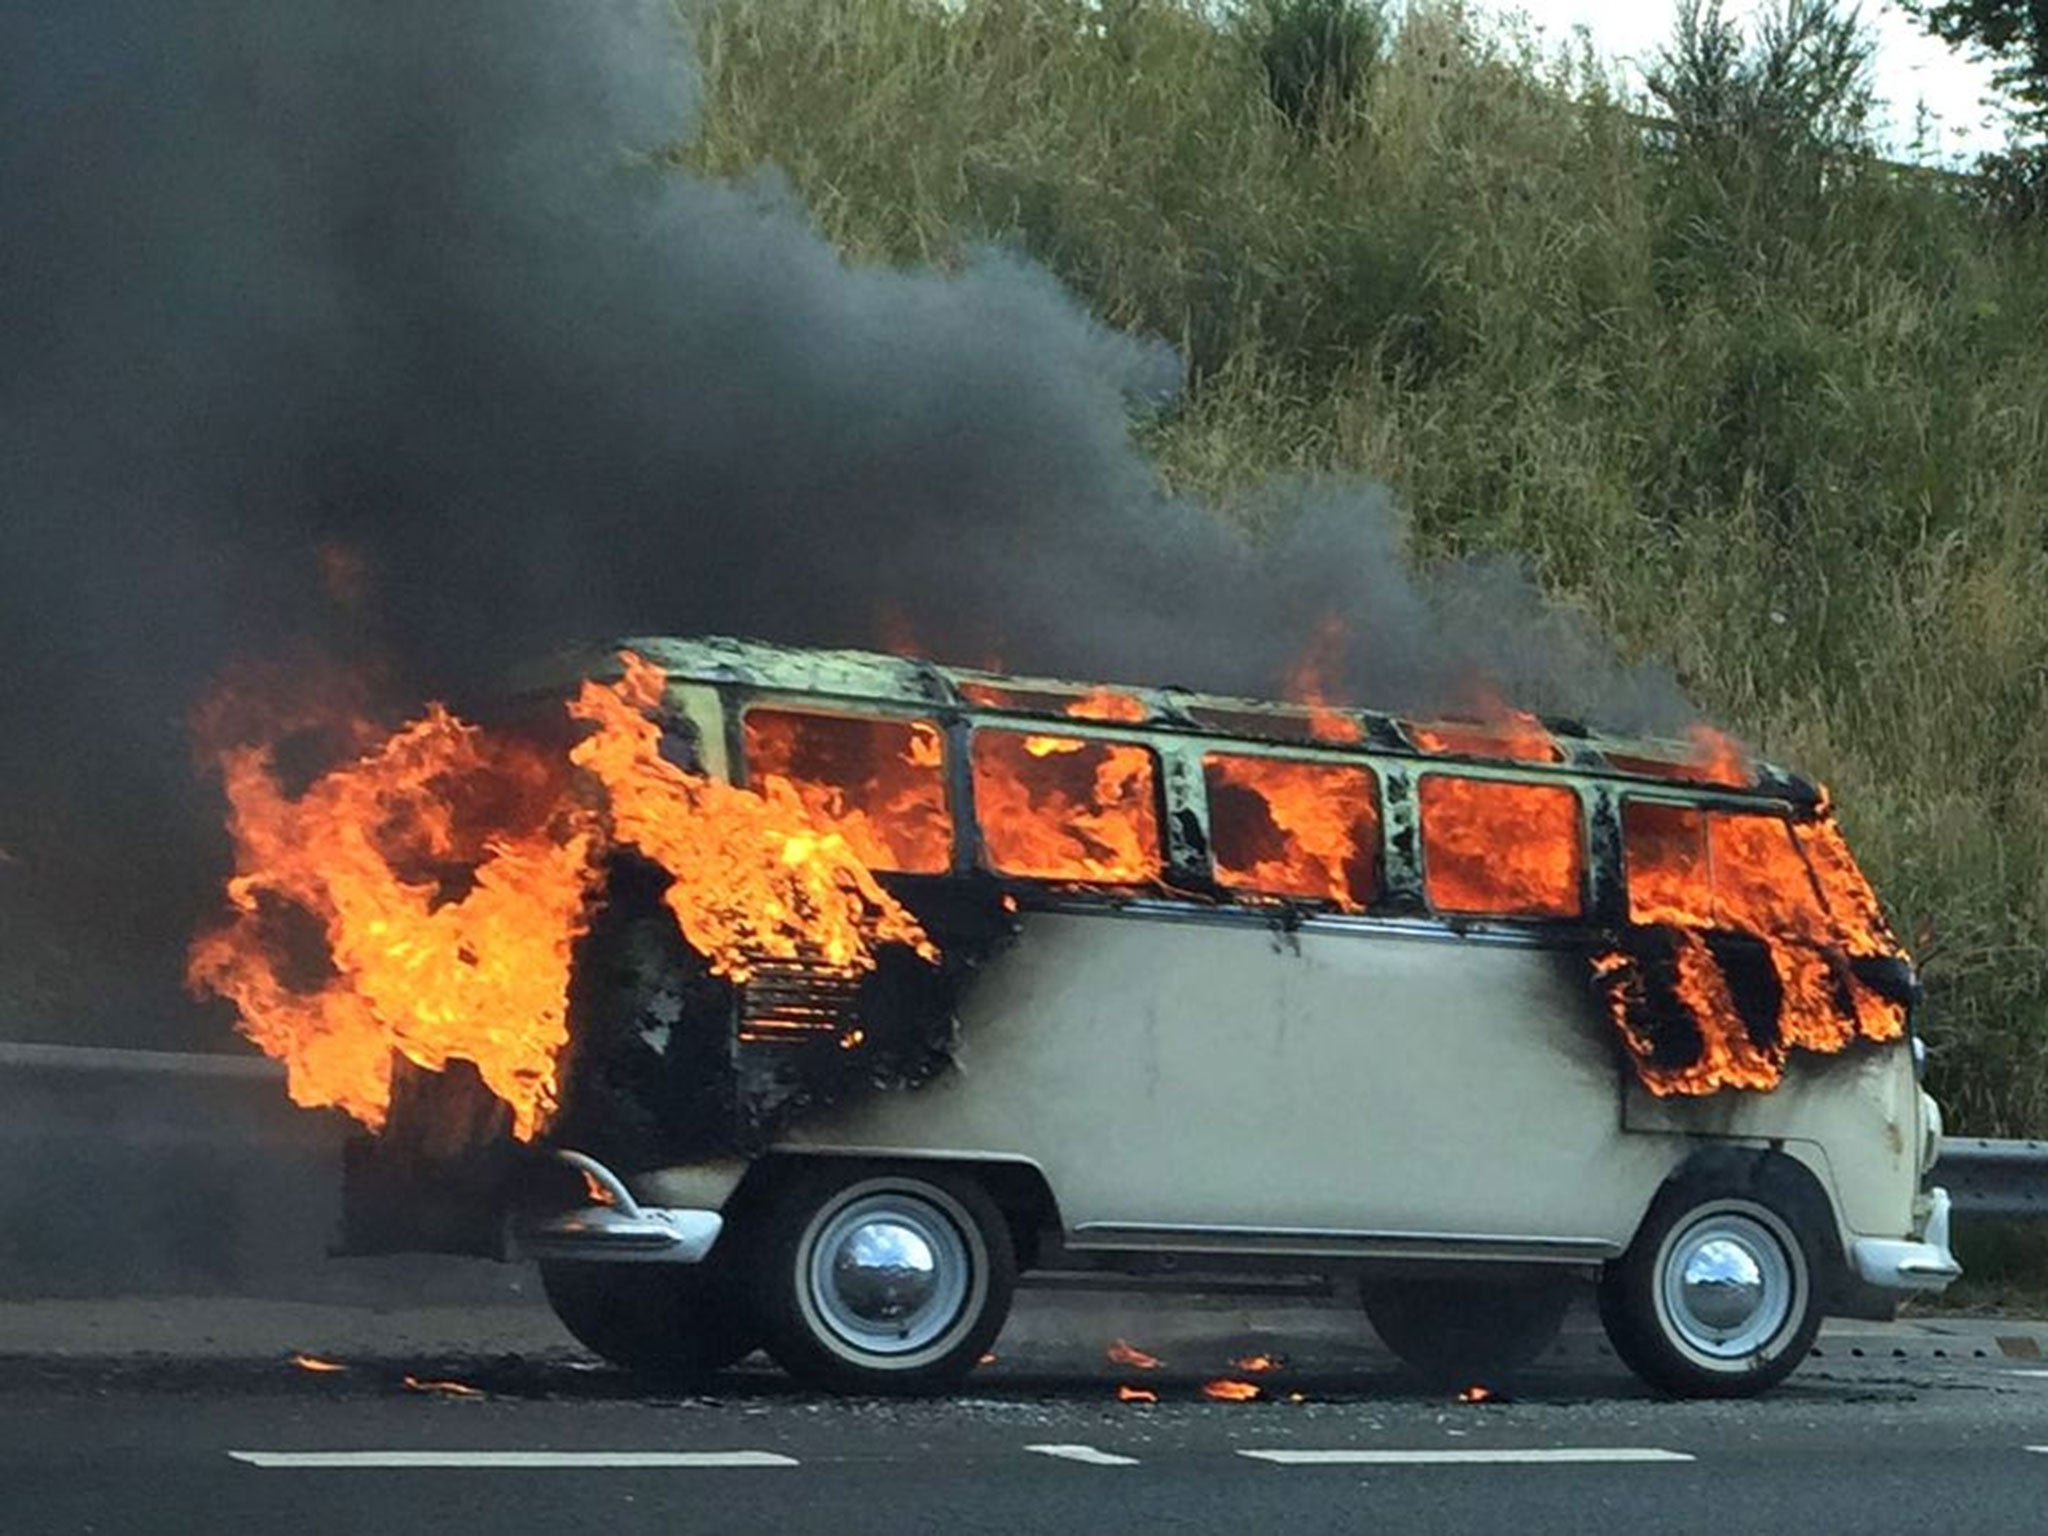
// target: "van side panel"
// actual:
[[1853, 1119], [1347, 1076]]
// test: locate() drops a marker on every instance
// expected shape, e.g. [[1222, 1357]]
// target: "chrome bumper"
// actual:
[[619, 1230], [1908, 1264]]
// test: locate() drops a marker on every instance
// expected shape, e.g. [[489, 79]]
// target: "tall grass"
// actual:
[[1788, 432]]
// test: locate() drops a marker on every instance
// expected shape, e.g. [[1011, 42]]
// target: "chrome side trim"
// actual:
[[1336, 1242], [1464, 931]]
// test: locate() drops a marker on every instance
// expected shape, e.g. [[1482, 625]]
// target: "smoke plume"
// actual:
[[382, 326]]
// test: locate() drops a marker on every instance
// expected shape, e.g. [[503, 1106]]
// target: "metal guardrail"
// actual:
[[2001, 1180]]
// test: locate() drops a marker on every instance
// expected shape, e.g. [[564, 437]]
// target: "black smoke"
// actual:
[[382, 327]]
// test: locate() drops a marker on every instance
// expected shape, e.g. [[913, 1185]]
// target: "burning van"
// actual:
[[804, 1000]]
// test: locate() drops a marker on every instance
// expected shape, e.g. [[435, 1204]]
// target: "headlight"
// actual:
[[1930, 1133]]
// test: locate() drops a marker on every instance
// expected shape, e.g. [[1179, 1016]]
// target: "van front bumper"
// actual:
[[1925, 1263]]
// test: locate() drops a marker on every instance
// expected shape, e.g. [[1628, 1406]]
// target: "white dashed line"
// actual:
[[1084, 1453], [497, 1459], [2026, 1373], [1573, 1454]]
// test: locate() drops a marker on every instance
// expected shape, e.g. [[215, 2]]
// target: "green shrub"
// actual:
[[1318, 55], [1791, 439]]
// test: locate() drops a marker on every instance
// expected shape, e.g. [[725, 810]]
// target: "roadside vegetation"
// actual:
[[1760, 405]]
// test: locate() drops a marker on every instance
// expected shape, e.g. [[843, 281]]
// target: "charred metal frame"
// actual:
[[713, 683]]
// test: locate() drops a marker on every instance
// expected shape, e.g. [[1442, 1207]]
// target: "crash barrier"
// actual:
[[161, 1173], [1994, 1180]]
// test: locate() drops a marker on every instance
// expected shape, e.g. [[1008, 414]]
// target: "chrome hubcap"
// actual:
[[889, 1274], [1727, 1286]]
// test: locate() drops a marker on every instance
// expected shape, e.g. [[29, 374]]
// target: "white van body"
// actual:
[[1386, 1093]]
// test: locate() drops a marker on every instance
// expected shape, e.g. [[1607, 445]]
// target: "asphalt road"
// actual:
[[1927, 1431]]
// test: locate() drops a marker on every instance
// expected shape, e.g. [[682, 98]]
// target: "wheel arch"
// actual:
[[1017, 1185], [1779, 1176]]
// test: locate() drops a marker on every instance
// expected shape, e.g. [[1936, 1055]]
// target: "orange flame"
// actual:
[[444, 1388], [423, 899], [1791, 890], [1257, 1364], [1308, 830], [316, 1365], [1307, 683], [1717, 757], [754, 877], [1227, 1391], [1499, 731], [1109, 705], [1136, 1395], [1066, 807], [1121, 1353], [1478, 1392], [1494, 847], [448, 873], [878, 783]]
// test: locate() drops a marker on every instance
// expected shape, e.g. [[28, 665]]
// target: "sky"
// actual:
[[1910, 67]]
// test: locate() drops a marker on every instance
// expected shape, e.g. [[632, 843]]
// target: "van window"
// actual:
[[880, 783], [1281, 828], [1491, 848], [1066, 807], [1719, 869]]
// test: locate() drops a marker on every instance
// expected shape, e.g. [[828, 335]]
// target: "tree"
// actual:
[[2012, 34], [1805, 80]]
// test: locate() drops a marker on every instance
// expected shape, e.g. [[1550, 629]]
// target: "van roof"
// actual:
[[874, 678]]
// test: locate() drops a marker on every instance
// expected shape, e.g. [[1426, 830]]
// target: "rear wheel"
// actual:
[[1458, 1332], [1715, 1297], [875, 1280], [662, 1320]]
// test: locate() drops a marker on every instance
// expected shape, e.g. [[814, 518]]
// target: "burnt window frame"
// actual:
[[1202, 749], [742, 771], [1588, 882], [1706, 809], [1168, 789]]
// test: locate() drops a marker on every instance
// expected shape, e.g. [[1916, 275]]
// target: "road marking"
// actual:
[[2010, 1372], [1576, 1454], [1084, 1453], [560, 1459]]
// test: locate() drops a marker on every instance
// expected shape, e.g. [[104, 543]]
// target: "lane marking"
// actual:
[[559, 1459], [1084, 1453], [2011, 1372], [1571, 1454]]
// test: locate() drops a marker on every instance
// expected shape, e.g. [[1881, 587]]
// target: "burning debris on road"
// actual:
[[1121, 1353]]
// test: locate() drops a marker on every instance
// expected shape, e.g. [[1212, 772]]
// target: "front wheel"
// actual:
[[1715, 1297], [873, 1280]]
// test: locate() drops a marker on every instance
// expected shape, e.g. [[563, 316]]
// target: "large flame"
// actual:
[[879, 783], [423, 899], [420, 900], [1492, 847], [1748, 934], [1297, 829], [1066, 807], [756, 878]]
